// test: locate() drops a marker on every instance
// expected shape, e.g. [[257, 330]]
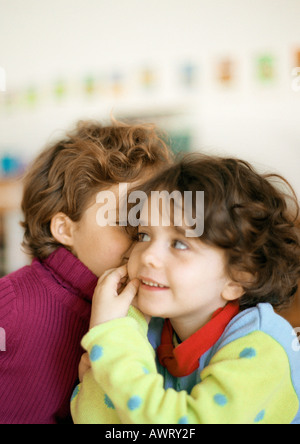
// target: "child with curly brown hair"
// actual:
[[45, 307], [222, 354]]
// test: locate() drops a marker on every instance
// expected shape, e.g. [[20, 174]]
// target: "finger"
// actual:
[[130, 291], [122, 284], [86, 359], [114, 273], [84, 365], [106, 274]]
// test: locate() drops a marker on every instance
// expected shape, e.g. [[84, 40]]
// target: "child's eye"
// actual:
[[143, 237], [178, 245]]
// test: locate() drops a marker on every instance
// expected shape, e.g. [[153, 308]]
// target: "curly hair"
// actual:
[[249, 217], [66, 175]]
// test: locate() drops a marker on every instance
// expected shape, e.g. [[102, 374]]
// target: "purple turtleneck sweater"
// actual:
[[44, 313]]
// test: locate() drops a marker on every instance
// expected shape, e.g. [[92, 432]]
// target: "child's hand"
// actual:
[[84, 366], [107, 304], [135, 304]]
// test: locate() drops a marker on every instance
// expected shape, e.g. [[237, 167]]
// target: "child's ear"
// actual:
[[232, 291], [62, 228]]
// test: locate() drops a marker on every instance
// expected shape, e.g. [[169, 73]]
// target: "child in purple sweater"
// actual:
[[45, 307]]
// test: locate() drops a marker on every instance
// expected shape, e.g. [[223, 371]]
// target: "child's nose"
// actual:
[[152, 256]]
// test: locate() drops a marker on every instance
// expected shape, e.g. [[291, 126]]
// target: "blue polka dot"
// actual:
[[75, 393], [96, 353], [221, 400], [134, 402], [248, 353], [146, 371], [260, 416], [183, 420], [108, 402]]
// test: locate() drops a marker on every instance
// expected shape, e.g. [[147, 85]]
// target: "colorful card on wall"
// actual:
[[31, 96], [117, 83], [189, 75], [226, 71], [147, 78], [296, 71], [266, 68], [297, 58], [60, 89], [89, 85]]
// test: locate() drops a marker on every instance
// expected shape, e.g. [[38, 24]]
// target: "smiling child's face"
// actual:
[[181, 278]]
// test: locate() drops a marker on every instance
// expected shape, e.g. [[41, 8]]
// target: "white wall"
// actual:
[[41, 41]]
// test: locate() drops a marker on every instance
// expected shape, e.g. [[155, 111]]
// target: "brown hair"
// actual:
[[253, 221], [66, 175]]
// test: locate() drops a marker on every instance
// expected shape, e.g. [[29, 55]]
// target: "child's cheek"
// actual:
[[133, 265]]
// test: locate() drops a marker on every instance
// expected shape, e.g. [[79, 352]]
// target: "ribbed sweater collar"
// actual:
[[71, 273]]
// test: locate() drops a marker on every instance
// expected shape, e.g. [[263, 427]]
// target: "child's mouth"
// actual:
[[151, 285]]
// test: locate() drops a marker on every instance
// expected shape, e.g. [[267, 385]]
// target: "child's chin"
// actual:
[[151, 311]]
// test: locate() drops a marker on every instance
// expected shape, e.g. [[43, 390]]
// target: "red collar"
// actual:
[[184, 359]]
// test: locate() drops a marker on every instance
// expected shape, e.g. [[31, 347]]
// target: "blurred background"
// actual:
[[220, 76]]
